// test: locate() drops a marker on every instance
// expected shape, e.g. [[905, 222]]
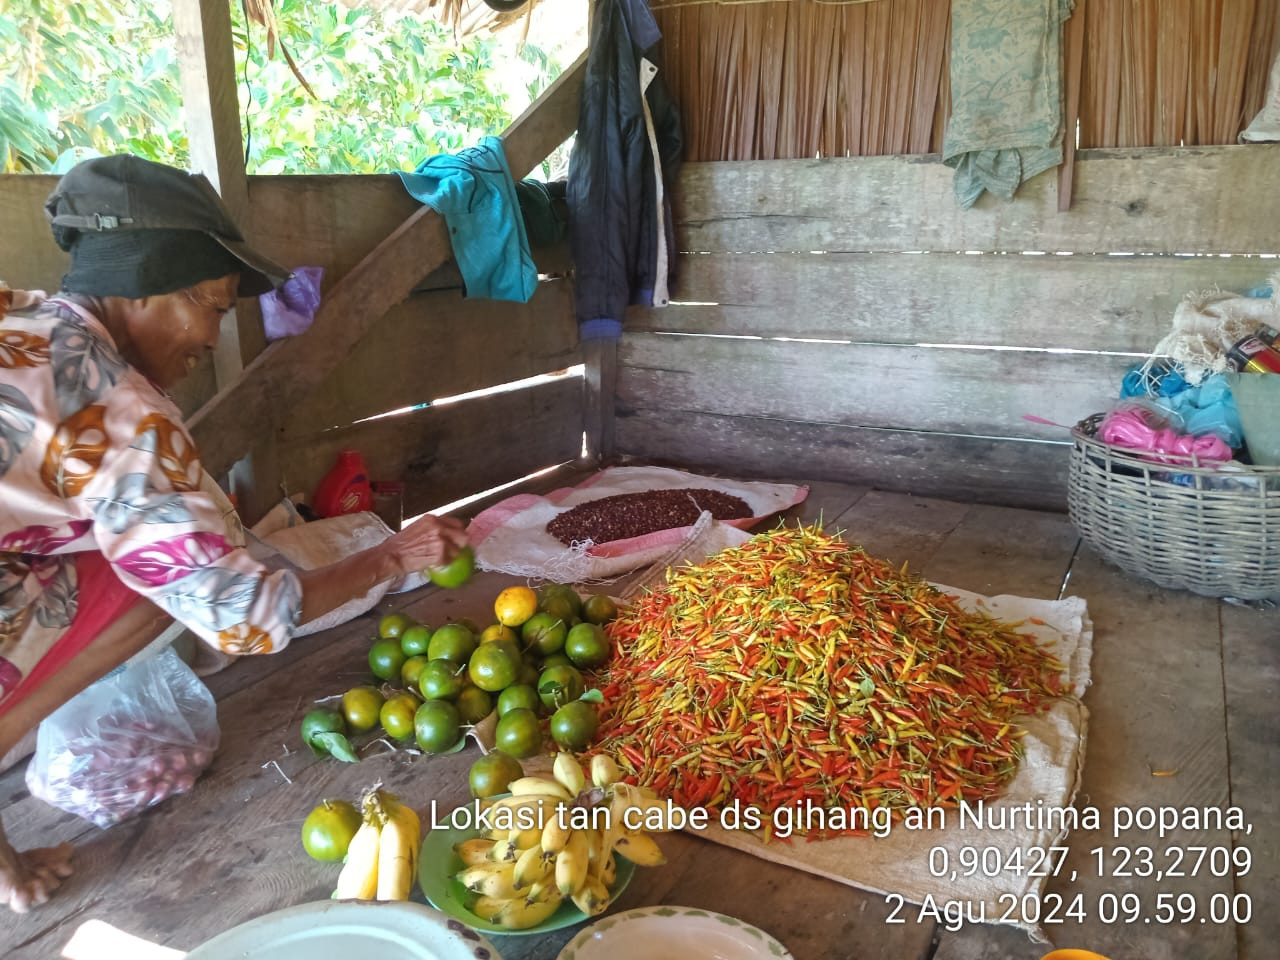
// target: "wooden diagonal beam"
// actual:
[[286, 373]]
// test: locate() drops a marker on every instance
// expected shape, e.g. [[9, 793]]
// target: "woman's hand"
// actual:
[[427, 542], [27, 879]]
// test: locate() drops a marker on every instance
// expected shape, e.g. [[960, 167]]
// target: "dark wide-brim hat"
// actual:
[[121, 194]]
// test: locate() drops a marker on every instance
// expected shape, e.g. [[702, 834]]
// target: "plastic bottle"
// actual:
[[345, 488], [388, 502]]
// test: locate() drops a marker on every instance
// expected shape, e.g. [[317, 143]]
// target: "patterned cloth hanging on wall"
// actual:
[[1006, 94]]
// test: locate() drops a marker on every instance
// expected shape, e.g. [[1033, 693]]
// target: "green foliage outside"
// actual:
[[101, 76]]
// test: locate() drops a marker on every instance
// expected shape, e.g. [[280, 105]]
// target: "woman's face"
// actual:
[[169, 334]]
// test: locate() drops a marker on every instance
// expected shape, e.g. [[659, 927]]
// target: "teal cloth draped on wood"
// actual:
[[1006, 93], [475, 194]]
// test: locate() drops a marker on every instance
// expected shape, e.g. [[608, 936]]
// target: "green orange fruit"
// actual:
[[519, 733], [456, 572], [599, 608], [563, 591], [361, 707], [516, 696], [560, 607], [442, 679], [544, 633], [412, 671], [328, 829], [474, 705], [416, 640], [560, 685], [396, 716], [494, 666], [498, 631], [393, 624], [453, 641], [587, 646], [437, 726], [492, 774], [574, 725], [386, 658]]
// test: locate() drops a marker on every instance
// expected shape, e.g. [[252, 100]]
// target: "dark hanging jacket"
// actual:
[[620, 229]]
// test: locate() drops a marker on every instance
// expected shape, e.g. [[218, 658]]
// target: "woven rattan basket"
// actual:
[[1180, 524]]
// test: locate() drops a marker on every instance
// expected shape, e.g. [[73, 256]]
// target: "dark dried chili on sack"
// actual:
[[627, 515]]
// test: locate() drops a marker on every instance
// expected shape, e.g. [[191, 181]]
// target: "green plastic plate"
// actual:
[[439, 863]]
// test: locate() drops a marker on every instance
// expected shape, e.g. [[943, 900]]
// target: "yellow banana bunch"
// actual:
[[505, 850], [519, 913], [572, 861], [536, 786], [555, 834], [490, 879], [471, 852], [522, 876], [604, 771], [592, 898], [531, 801], [534, 866], [398, 846], [382, 859], [641, 849], [359, 877], [524, 839], [568, 772], [523, 913]]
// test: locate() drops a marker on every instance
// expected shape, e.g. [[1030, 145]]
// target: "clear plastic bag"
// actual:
[[129, 741]]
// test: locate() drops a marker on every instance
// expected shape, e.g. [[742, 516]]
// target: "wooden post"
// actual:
[[206, 60], [202, 30], [1074, 42], [601, 360]]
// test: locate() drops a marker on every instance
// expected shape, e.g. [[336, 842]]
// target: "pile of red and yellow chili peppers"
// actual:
[[796, 668]]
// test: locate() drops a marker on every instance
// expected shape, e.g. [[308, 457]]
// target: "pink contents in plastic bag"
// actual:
[[1140, 429], [133, 739]]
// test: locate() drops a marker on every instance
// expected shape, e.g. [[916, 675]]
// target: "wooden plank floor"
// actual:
[[1183, 687]]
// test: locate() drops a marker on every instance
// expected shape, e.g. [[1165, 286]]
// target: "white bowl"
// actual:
[[349, 930], [682, 932]]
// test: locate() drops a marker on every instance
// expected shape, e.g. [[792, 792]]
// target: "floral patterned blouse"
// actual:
[[94, 457]]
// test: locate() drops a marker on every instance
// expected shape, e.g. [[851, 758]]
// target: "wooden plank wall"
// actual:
[[436, 344], [844, 320], [29, 259]]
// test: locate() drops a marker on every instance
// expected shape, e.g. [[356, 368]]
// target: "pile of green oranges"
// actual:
[[528, 665]]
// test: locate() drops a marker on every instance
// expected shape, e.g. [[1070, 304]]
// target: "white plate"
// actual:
[[349, 930], [674, 933]]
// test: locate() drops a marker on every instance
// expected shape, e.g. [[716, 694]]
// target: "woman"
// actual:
[[105, 533]]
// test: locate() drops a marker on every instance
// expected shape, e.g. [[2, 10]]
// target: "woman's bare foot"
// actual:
[[28, 879]]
